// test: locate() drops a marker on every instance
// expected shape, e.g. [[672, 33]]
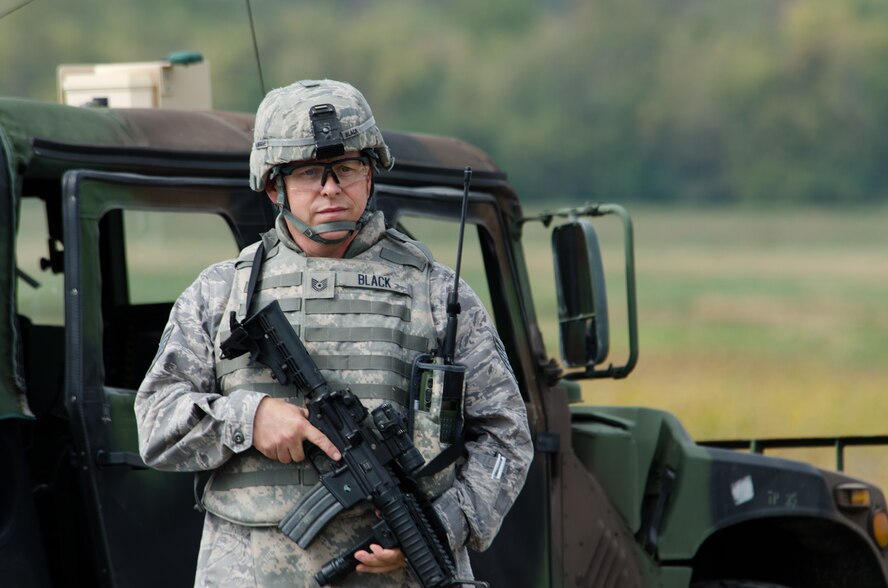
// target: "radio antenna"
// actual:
[[256, 48], [453, 308], [14, 8]]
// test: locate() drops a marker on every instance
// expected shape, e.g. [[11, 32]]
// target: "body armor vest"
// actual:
[[363, 319]]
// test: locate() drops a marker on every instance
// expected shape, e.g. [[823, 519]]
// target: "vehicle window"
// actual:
[[165, 251], [40, 293], [442, 238]]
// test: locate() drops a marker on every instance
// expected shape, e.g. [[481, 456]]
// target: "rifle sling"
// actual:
[[447, 456]]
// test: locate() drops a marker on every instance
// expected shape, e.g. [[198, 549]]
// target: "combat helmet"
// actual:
[[313, 119]]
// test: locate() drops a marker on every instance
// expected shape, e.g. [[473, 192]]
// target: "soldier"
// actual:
[[339, 274]]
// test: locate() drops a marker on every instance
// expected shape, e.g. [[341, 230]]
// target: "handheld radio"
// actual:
[[437, 383]]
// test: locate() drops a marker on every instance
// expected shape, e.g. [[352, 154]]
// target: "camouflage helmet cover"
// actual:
[[283, 130]]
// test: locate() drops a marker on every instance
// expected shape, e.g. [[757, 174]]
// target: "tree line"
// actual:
[[692, 101]]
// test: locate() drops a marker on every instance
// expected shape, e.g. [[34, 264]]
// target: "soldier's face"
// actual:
[[328, 198]]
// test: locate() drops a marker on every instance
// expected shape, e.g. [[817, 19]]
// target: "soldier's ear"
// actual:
[[271, 190]]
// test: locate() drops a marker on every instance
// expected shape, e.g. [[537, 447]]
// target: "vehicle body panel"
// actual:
[[771, 511]]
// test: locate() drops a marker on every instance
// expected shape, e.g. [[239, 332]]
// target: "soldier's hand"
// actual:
[[280, 428], [380, 560]]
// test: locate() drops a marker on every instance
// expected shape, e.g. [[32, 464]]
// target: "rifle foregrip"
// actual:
[[411, 541]]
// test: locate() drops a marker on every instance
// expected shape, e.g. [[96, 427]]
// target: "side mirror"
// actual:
[[582, 296]]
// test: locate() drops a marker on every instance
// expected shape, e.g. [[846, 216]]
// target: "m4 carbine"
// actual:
[[376, 465]]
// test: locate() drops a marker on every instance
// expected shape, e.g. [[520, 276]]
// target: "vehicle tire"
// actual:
[[735, 584]]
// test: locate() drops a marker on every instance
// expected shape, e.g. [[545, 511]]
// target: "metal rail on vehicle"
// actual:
[[839, 443]]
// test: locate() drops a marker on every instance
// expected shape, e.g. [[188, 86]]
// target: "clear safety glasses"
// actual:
[[313, 175]]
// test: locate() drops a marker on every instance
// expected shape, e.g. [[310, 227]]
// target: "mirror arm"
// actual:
[[616, 372]]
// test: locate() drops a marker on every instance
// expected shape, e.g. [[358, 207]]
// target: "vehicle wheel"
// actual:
[[735, 584]]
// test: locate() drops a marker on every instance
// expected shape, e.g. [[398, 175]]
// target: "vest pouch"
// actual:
[[436, 414], [250, 489]]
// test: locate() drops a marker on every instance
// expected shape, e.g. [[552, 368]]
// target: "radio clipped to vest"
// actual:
[[437, 388], [437, 384]]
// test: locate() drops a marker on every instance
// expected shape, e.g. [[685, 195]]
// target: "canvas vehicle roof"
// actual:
[[37, 131]]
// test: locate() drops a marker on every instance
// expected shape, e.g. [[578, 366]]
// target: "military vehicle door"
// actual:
[[432, 214], [132, 244]]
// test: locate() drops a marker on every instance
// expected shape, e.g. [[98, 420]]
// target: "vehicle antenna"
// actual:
[[255, 48], [453, 308], [14, 8]]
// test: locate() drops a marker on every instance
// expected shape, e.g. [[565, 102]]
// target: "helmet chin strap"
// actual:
[[314, 233]]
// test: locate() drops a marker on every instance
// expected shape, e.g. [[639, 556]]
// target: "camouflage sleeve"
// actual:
[[500, 450], [184, 423]]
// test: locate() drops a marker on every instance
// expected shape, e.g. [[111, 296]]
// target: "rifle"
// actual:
[[376, 465]]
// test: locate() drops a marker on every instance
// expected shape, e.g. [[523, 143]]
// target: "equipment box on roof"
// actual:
[[180, 81]]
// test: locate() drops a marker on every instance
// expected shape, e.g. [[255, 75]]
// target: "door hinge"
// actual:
[[547, 442]]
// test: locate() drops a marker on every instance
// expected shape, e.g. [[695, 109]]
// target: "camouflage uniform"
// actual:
[[187, 424]]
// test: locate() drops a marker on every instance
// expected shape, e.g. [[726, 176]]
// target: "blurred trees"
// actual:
[[704, 101]]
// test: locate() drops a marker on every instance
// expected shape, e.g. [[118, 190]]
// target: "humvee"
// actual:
[[616, 496]]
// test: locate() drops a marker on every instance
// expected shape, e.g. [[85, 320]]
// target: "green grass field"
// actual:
[[761, 324], [751, 323]]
